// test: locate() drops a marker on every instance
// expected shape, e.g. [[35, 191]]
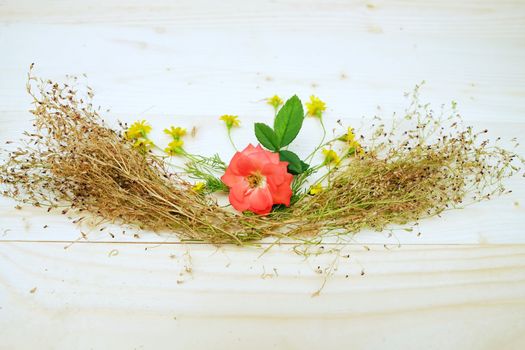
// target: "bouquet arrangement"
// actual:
[[422, 164]]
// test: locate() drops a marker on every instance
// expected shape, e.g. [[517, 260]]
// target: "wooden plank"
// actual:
[[85, 296], [472, 18], [187, 62], [180, 73]]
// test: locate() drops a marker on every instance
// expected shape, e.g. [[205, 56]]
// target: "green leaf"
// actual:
[[288, 121], [266, 136], [295, 165], [304, 166]]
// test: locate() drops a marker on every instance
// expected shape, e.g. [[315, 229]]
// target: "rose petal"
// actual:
[[274, 173], [240, 205], [250, 149], [261, 200], [282, 195], [259, 158], [231, 179], [240, 190], [274, 158]]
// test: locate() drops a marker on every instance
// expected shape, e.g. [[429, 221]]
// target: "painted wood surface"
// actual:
[[123, 296], [460, 284]]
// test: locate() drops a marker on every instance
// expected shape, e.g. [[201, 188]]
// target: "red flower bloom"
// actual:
[[257, 180]]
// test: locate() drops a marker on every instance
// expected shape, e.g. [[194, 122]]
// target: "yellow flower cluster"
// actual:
[[331, 157], [176, 132], [139, 129], [275, 101], [175, 146], [353, 145], [138, 132], [315, 107], [230, 120], [143, 144]]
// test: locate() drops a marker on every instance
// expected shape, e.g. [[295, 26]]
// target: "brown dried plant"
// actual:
[[74, 161]]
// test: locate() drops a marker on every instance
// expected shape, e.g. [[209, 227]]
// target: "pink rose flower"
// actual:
[[257, 180]]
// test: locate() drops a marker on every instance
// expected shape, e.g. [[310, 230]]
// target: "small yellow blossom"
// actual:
[[174, 147], [199, 187], [274, 101], [176, 144], [315, 189], [330, 157], [138, 129], [315, 107], [350, 136], [355, 148], [230, 120], [143, 144], [175, 132], [353, 145]]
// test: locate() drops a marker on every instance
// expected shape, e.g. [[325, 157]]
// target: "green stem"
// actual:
[[324, 130], [321, 144], [231, 140]]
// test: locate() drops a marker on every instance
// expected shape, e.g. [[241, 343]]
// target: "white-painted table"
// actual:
[[460, 285]]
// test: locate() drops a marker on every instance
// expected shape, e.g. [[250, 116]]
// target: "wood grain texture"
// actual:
[[436, 297], [459, 285]]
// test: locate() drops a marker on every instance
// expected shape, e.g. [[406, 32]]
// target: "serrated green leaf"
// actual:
[[295, 165], [266, 136], [289, 121]]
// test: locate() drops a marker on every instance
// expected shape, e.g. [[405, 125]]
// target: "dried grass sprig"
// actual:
[[73, 160]]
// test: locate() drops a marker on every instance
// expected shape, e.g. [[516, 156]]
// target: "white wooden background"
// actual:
[[460, 285]]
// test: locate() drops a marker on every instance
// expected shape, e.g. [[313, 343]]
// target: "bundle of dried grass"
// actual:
[[74, 161]]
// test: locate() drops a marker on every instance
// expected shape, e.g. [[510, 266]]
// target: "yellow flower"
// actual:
[[274, 101], [175, 132], [355, 148], [315, 107], [143, 144], [330, 157], [230, 120], [353, 145], [199, 187], [174, 147], [176, 143], [138, 129], [350, 136], [316, 189]]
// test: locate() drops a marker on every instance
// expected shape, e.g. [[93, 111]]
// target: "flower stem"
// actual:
[[231, 140], [321, 144]]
